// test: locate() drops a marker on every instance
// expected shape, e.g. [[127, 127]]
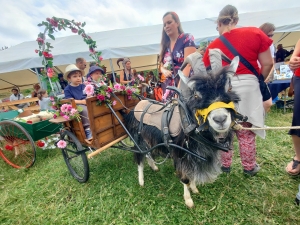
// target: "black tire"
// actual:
[[77, 163], [16, 145]]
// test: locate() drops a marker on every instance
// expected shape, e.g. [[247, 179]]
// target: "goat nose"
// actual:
[[220, 119]]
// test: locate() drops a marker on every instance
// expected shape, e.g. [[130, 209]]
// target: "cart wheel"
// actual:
[[16, 146], [76, 162]]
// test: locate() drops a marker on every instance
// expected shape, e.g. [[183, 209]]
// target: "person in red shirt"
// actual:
[[253, 45], [293, 168]]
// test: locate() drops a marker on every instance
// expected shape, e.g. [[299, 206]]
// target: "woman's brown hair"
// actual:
[[165, 40], [40, 94], [229, 14], [267, 28]]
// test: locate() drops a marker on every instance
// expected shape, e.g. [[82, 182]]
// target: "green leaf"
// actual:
[[50, 63], [83, 24], [39, 25], [80, 32], [51, 36], [40, 53]]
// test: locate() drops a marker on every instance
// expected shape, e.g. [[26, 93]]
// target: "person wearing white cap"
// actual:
[[75, 90]]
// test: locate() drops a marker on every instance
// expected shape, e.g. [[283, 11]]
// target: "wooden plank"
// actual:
[[25, 100], [106, 146], [32, 108]]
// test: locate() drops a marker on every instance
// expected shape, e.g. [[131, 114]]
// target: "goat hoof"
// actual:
[[195, 191], [189, 203], [141, 183], [155, 169]]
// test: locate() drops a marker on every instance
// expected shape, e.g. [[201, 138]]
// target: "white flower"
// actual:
[[178, 55]]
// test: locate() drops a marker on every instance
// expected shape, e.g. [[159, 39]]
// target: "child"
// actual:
[[95, 74], [75, 90], [44, 100]]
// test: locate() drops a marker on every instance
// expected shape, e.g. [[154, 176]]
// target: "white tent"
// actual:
[[141, 44]]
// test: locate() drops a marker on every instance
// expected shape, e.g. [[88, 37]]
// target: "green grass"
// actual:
[[47, 193]]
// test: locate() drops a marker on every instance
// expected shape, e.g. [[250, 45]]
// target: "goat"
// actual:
[[200, 91]]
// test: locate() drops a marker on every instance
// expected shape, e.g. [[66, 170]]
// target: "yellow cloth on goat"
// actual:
[[216, 105]]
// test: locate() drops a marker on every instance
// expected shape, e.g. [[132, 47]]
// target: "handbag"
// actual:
[[264, 89]]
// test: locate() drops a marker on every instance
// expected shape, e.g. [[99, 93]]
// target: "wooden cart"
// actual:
[[106, 124]]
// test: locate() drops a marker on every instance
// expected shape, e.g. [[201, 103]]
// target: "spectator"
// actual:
[[36, 89], [44, 100], [63, 83], [81, 64], [17, 96], [253, 44], [281, 53], [175, 47], [126, 75]]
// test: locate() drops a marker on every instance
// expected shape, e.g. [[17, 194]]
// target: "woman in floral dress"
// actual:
[[175, 47]]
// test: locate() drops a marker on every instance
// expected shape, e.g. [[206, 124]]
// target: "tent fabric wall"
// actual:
[[141, 44]]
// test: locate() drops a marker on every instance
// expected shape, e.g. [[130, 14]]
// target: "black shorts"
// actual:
[[296, 114]]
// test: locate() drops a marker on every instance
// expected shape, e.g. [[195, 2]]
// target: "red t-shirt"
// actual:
[[297, 72], [248, 41]]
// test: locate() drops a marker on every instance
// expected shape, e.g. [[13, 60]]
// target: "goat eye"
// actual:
[[196, 96]]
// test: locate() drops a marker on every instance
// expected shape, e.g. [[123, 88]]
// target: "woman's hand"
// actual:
[[295, 63], [166, 72]]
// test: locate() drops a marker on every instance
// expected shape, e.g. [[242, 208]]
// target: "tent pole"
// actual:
[[38, 76], [112, 70]]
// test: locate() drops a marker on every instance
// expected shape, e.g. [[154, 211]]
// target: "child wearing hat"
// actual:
[[75, 90], [94, 75]]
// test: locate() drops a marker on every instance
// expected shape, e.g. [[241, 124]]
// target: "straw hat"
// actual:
[[70, 68]]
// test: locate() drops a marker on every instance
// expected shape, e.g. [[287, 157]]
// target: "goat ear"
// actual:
[[191, 84], [233, 66]]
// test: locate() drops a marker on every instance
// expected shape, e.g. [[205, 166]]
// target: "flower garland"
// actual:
[[57, 24], [104, 92], [48, 142], [65, 110]]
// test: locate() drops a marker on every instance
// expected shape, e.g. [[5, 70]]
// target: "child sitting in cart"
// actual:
[[95, 75], [75, 90]]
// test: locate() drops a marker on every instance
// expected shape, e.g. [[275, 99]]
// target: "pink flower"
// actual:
[[36, 51], [74, 30], [109, 90], [123, 87], [73, 111], [117, 86], [92, 50], [61, 114], [107, 95], [78, 24], [61, 144], [64, 108], [100, 58], [141, 78], [53, 22], [129, 97], [51, 98], [83, 35], [114, 102], [50, 72], [70, 108], [89, 89], [54, 116], [66, 117], [40, 40], [128, 92], [101, 97]]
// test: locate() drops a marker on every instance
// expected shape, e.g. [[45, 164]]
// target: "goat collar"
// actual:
[[216, 105]]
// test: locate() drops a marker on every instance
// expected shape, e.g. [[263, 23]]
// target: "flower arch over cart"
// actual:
[[55, 24], [103, 92]]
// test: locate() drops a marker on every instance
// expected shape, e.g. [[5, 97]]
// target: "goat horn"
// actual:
[[183, 78]]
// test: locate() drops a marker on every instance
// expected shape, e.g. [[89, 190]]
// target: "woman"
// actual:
[[293, 168], [268, 29], [126, 75], [36, 89], [254, 45], [175, 47]]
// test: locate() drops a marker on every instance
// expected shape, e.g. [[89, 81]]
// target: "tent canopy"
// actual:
[[136, 42]]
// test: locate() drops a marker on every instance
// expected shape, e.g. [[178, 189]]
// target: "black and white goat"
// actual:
[[204, 88]]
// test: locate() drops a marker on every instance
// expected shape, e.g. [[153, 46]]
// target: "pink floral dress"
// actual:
[[183, 41]]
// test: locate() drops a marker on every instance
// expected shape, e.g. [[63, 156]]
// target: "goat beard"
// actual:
[[220, 137]]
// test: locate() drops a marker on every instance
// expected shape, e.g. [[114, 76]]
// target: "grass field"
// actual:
[[48, 194]]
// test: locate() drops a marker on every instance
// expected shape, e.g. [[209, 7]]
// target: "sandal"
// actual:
[[295, 164]]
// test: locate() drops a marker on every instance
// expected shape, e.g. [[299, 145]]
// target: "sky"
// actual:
[[19, 18]]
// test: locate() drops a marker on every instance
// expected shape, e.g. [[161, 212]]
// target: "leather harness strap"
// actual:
[[142, 117]]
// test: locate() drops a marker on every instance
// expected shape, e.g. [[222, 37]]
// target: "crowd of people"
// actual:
[[255, 45]]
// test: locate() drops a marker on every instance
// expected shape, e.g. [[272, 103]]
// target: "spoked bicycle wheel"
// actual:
[[16, 146], [75, 158]]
